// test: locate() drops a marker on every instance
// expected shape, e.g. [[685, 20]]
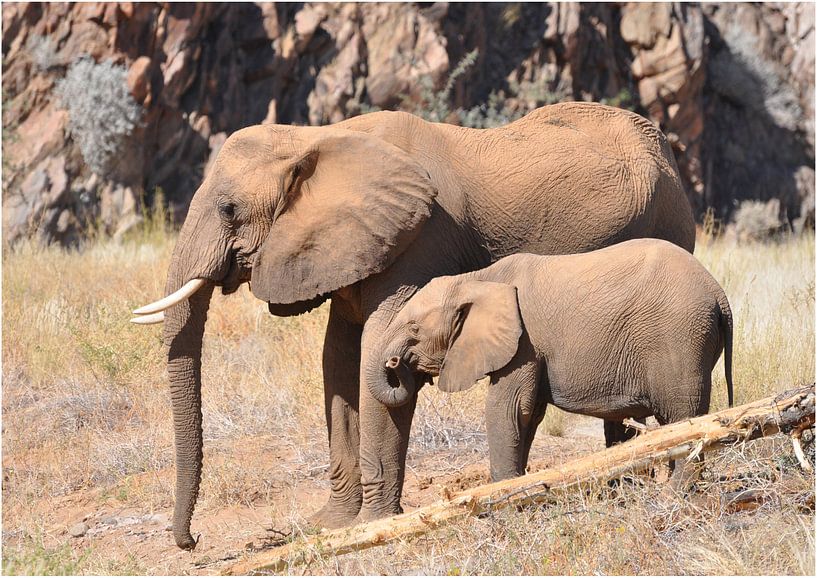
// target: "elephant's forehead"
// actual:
[[259, 144], [435, 292], [248, 167], [426, 311], [433, 318]]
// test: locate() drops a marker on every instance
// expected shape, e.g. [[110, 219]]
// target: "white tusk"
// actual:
[[149, 319], [189, 288]]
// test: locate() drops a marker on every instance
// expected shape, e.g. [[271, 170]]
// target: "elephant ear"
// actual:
[[354, 203], [486, 334]]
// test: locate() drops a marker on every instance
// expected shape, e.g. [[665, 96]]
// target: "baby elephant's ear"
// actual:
[[486, 335]]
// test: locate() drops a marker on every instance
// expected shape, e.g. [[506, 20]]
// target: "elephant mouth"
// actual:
[[423, 364], [240, 271], [415, 364]]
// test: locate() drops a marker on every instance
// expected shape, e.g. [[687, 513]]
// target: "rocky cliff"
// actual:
[[732, 85]]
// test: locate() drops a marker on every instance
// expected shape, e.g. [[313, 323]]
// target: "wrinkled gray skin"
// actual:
[[367, 211], [632, 330]]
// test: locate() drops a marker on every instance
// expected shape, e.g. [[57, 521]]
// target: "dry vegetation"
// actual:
[[87, 435]]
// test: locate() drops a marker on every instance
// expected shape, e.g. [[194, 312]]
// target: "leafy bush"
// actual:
[[101, 110], [489, 115], [434, 106], [500, 109], [623, 99], [37, 560]]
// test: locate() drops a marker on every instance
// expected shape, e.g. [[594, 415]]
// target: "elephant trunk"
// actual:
[[183, 331], [394, 395]]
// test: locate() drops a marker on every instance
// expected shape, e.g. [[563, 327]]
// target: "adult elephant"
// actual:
[[366, 212]]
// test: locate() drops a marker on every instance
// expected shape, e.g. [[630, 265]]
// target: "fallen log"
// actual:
[[790, 413]]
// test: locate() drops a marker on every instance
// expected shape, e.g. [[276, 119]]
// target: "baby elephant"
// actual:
[[631, 330]]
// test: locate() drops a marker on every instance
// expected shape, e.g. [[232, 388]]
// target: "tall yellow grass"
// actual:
[[770, 287]]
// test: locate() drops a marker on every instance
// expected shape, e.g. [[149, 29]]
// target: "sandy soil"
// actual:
[[227, 533]]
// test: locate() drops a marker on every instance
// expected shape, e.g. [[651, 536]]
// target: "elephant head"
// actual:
[[459, 330], [297, 211]]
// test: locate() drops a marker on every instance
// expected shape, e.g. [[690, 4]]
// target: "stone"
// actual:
[[86, 37], [335, 84], [117, 202], [126, 225], [42, 191], [805, 184], [216, 142], [401, 49], [139, 79], [126, 9], [57, 179], [272, 113], [666, 53], [306, 23], [64, 222], [270, 20], [78, 530], [42, 131], [643, 23]]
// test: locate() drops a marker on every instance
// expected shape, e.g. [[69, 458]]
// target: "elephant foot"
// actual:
[[334, 515], [372, 514], [185, 540]]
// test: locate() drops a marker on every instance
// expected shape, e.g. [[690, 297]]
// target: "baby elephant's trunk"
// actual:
[[405, 390]]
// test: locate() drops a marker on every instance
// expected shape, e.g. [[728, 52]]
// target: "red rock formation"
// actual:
[[732, 85]]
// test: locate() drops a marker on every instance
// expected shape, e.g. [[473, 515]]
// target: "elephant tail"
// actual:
[[726, 330]]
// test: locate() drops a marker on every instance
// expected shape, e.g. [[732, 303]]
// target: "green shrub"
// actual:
[[434, 105], [492, 114]]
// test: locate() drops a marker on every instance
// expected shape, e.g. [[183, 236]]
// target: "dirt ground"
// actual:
[[144, 537]]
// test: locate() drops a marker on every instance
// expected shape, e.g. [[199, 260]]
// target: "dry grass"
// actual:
[[86, 421], [770, 287], [633, 530]]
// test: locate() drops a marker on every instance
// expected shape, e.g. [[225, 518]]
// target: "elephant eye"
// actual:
[[227, 210], [296, 172], [457, 325]]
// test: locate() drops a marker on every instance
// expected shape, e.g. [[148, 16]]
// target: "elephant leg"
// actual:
[[685, 472], [513, 411], [341, 374], [383, 447], [539, 410], [384, 431], [616, 432]]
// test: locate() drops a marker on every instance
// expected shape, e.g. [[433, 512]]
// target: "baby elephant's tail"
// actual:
[[726, 329]]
